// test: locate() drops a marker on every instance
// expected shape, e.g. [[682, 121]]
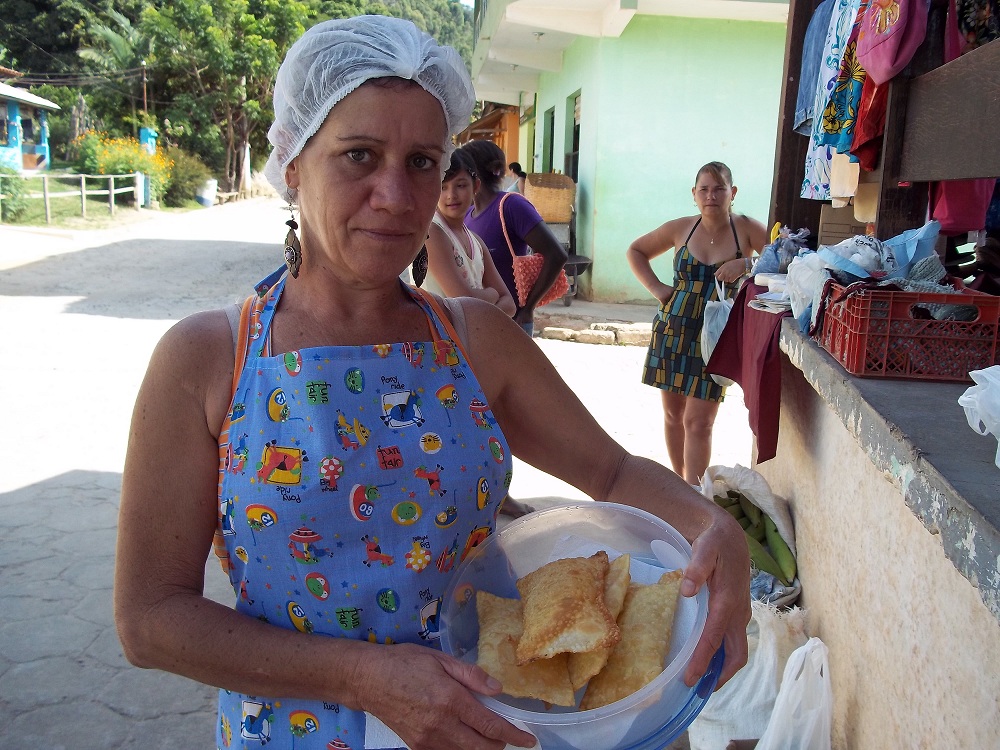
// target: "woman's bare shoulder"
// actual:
[[196, 355], [206, 330], [755, 231], [674, 233]]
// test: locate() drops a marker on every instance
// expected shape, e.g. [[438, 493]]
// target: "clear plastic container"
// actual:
[[650, 718]]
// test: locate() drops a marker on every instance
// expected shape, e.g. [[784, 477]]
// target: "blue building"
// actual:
[[24, 129]]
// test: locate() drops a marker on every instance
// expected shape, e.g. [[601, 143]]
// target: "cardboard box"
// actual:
[[836, 224]]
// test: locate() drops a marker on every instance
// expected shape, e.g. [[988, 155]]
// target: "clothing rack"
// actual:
[[941, 124]]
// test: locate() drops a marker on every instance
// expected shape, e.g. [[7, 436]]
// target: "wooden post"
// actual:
[[787, 206], [111, 194], [83, 196], [45, 197]]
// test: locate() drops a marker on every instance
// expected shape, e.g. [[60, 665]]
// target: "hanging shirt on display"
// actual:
[[816, 181]]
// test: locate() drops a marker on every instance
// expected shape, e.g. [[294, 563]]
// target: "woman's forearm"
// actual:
[[187, 634]]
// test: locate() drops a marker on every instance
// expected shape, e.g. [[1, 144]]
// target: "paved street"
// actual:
[[81, 313]]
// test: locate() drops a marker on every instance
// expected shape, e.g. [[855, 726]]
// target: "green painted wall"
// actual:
[[667, 96]]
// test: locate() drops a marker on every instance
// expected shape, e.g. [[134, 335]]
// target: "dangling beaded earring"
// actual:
[[293, 250], [419, 267]]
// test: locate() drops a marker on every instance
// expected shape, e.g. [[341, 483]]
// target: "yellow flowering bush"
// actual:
[[99, 153]]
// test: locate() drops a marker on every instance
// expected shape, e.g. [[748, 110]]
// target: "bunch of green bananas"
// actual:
[[768, 551]]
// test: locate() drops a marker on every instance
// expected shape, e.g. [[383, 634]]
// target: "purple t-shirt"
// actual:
[[521, 218]]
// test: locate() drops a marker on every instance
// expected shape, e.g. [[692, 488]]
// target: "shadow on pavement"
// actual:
[[152, 279], [63, 677]]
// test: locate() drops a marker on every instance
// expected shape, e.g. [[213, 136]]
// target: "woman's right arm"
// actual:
[[493, 280], [643, 250], [167, 519], [441, 266]]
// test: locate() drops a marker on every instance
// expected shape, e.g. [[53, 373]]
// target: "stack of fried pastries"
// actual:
[[580, 621]]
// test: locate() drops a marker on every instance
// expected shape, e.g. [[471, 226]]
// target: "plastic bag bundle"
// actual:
[[806, 276], [776, 257], [741, 709], [858, 257], [911, 246], [982, 403]]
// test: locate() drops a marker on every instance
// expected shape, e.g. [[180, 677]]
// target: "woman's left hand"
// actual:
[[731, 271], [721, 559]]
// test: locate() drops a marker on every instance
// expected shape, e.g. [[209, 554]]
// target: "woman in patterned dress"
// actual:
[[353, 444], [715, 244]]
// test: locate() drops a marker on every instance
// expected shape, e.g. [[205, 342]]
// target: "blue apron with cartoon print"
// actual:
[[353, 481]]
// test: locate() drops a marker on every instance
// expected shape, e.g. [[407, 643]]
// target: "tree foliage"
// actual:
[[219, 59], [210, 64]]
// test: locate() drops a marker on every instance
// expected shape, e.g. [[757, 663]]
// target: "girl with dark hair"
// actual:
[[715, 244], [458, 263], [517, 178], [510, 225]]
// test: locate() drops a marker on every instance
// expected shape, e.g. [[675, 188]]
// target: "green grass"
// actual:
[[65, 211]]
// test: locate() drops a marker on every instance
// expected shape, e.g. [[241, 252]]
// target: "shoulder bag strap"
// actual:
[[503, 225]]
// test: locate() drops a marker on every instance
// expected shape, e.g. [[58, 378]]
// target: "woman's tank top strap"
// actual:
[[732, 225], [437, 322], [691, 233]]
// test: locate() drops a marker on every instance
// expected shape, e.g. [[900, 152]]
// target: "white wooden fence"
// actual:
[[136, 188]]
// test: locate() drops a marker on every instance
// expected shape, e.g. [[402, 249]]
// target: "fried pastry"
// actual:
[[564, 609], [646, 622], [585, 665], [500, 625]]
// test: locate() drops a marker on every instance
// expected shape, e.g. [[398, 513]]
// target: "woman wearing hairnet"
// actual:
[[331, 451]]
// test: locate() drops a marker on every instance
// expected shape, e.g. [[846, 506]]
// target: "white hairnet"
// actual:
[[333, 58]]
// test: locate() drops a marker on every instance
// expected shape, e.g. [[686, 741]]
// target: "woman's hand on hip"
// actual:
[[663, 292], [425, 696]]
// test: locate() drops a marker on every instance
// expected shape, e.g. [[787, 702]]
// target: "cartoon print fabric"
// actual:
[[354, 480]]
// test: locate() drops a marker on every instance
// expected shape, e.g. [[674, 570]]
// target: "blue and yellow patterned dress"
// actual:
[[674, 361]]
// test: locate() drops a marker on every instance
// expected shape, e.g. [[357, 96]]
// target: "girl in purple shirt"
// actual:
[[525, 228]]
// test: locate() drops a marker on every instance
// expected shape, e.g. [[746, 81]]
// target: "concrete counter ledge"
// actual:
[[896, 506], [917, 435]]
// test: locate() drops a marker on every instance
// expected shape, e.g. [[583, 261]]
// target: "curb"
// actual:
[[622, 334]]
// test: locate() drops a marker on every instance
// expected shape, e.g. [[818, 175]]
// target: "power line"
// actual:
[[81, 79]]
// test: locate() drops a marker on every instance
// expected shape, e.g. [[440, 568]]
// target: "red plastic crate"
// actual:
[[877, 333]]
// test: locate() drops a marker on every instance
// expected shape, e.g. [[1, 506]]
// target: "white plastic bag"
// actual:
[[806, 275], [718, 479], [803, 710], [982, 403], [714, 321], [742, 707]]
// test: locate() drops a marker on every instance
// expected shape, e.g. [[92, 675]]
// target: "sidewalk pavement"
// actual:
[[82, 312]]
